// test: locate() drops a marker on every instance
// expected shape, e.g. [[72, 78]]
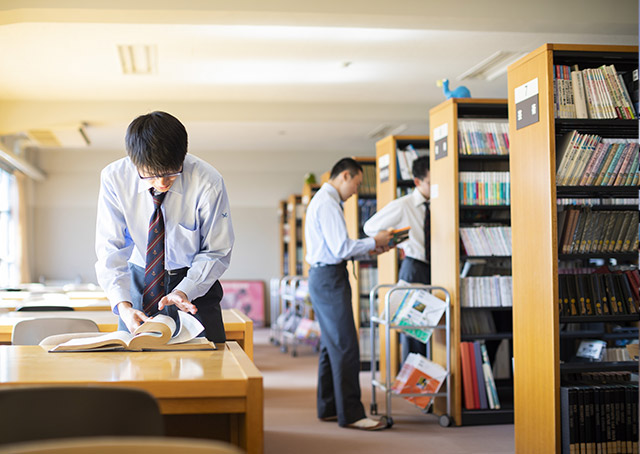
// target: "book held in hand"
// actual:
[[399, 235], [157, 334]]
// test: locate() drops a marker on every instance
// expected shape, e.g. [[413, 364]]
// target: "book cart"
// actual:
[[385, 318], [542, 365]]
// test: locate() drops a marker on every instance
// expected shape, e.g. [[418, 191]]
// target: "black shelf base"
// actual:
[[486, 417]]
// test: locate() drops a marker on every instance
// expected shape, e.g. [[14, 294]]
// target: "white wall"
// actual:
[[64, 207]]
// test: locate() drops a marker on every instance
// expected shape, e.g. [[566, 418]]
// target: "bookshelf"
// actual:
[[454, 212], [284, 238], [357, 209], [308, 191], [294, 222], [537, 343], [389, 187]]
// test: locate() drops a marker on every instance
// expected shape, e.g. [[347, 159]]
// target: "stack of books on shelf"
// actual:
[[368, 186], [483, 137], [405, 160], [486, 291], [602, 418], [484, 188], [479, 387], [592, 93], [367, 208], [590, 160], [597, 201], [478, 322], [599, 293], [583, 231], [486, 240]]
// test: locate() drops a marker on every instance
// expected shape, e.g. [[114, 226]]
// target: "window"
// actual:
[[9, 266]]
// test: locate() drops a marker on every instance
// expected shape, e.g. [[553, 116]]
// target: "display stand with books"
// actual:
[[393, 180], [471, 248], [414, 309], [564, 275], [362, 274]]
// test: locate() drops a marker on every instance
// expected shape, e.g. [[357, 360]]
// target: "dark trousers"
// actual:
[[415, 272], [339, 362], [209, 311]]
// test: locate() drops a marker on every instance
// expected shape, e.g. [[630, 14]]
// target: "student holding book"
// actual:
[[411, 211], [328, 248], [164, 234]]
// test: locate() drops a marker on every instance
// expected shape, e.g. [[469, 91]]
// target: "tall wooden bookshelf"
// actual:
[[388, 188], [294, 220], [540, 368], [284, 238], [308, 191], [448, 215], [354, 219]]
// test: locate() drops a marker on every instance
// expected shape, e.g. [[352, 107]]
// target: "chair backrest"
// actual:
[[125, 445], [49, 412], [31, 332], [32, 308]]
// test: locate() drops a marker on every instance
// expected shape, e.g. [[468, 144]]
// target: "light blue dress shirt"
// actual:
[[198, 229], [325, 231]]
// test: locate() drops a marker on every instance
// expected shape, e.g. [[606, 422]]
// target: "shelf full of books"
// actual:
[[471, 241], [575, 225], [284, 237], [295, 212]]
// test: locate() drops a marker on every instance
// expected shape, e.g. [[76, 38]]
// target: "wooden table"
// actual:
[[189, 386], [238, 327]]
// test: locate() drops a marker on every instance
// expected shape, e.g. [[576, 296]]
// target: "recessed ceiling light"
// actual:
[[138, 58], [493, 66]]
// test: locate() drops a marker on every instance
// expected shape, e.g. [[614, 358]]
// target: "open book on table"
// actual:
[[154, 334]]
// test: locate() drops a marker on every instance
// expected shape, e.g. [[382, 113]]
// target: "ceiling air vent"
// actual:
[[138, 58], [493, 66]]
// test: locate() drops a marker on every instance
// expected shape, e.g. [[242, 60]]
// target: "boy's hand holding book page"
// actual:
[[154, 334], [399, 235]]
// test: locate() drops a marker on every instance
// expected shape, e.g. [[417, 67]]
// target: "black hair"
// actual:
[[157, 143], [420, 167], [349, 164]]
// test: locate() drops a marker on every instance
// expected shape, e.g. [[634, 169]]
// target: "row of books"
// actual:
[[365, 343], [590, 160], [298, 209], [477, 137], [486, 291], [484, 188], [599, 293], [368, 186], [405, 160], [613, 354], [601, 419], [477, 322], [485, 240], [591, 93], [477, 377], [583, 231], [367, 208], [597, 201], [368, 277]]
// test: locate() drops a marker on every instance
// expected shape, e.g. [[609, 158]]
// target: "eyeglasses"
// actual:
[[166, 175]]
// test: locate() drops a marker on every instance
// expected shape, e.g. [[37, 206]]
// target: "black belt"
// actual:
[[177, 271], [416, 260], [322, 265]]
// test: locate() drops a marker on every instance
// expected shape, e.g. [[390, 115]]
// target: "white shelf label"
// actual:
[[526, 99], [440, 135], [383, 165], [434, 191]]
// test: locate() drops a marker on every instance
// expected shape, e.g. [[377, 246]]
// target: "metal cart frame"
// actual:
[[444, 419]]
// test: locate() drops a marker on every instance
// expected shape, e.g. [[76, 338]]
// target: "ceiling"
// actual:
[[271, 75]]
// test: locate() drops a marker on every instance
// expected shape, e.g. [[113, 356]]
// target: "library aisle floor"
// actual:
[[291, 425]]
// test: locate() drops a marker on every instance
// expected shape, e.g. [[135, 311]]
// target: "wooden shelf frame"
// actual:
[[295, 240], [445, 229], [536, 344], [386, 191]]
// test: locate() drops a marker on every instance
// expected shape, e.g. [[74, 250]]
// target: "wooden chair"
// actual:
[[50, 412], [128, 445], [31, 332]]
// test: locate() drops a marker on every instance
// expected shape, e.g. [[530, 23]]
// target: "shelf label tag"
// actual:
[[434, 191], [383, 165], [526, 97], [440, 135]]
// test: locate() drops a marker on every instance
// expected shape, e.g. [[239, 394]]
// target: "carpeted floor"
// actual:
[[291, 425]]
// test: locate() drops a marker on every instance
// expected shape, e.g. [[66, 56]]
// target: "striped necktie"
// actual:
[[154, 269]]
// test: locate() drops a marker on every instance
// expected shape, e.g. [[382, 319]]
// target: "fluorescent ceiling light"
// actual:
[[493, 66], [382, 131], [138, 58]]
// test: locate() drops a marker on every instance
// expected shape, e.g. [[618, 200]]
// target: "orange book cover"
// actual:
[[419, 375]]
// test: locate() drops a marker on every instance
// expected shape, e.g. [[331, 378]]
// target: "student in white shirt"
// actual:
[[328, 249], [409, 211], [198, 234]]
